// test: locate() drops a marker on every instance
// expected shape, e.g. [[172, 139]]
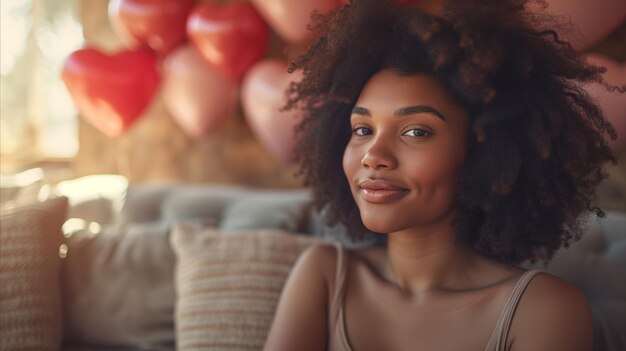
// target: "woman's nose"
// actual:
[[379, 155]]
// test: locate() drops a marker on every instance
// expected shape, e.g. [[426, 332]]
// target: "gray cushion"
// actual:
[[286, 210], [174, 202], [204, 205], [143, 202], [99, 210], [118, 288]]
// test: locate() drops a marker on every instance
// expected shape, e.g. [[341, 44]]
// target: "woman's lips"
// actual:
[[379, 191]]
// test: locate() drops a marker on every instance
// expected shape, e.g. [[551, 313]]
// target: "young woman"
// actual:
[[463, 137]]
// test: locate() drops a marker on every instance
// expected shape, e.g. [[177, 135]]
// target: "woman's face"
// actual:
[[405, 152]]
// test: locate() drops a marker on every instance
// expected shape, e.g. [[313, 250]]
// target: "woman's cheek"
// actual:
[[351, 161]]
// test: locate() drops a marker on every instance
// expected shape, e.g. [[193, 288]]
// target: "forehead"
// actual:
[[389, 88]]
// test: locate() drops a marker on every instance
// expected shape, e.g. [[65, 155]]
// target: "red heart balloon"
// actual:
[[159, 24], [231, 37], [111, 92]]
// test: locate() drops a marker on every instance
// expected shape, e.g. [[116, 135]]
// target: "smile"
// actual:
[[380, 192]]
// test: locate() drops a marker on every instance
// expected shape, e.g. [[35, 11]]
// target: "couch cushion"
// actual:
[[228, 286], [143, 202], [286, 210], [30, 301], [174, 202], [118, 288], [204, 205]]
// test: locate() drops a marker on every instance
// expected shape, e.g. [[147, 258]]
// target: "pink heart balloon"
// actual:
[[263, 94], [289, 18], [613, 104], [595, 19], [196, 95]]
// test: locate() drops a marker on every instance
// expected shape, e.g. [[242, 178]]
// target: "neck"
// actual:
[[428, 258]]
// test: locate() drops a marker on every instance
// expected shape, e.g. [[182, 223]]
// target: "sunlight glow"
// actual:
[[38, 116], [14, 24]]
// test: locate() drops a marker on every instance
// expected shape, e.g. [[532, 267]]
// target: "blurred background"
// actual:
[[155, 91]]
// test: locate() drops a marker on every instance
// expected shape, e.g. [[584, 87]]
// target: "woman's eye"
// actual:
[[361, 131], [417, 133]]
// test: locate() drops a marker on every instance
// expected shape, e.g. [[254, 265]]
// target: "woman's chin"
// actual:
[[380, 227]]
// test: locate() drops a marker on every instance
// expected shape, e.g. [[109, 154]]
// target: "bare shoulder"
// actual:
[[557, 297], [320, 250], [316, 264], [552, 314], [319, 258], [300, 322]]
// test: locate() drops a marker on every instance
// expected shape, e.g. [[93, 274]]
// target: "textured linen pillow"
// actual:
[[228, 286], [30, 293]]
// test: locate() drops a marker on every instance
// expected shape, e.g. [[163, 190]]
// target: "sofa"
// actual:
[[100, 264]]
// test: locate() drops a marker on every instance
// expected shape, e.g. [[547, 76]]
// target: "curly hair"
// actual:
[[536, 143]]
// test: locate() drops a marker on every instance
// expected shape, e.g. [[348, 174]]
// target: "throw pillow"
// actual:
[[30, 297], [118, 288], [228, 286]]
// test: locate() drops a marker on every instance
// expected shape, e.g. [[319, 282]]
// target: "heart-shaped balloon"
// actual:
[[231, 37], [198, 98], [158, 24], [289, 18], [111, 91], [613, 104], [595, 19], [263, 94]]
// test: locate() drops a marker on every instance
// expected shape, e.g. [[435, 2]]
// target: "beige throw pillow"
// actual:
[[228, 285], [30, 293]]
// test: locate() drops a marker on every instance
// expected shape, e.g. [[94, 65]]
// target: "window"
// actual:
[[37, 118]]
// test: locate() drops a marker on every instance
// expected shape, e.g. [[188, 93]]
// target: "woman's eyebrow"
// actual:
[[402, 111], [415, 109], [358, 110]]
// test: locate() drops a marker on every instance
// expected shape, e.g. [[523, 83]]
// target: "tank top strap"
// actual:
[[497, 342], [340, 282]]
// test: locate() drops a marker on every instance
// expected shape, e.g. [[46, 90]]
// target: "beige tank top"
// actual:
[[338, 338]]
